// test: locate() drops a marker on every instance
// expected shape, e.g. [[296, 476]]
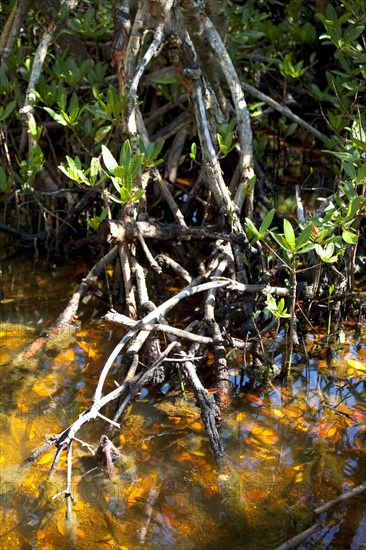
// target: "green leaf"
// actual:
[[271, 302], [281, 241], [354, 207], [289, 235], [125, 155], [101, 133], [307, 248], [74, 107], [278, 310], [303, 238], [62, 101], [120, 172], [229, 141], [138, 194], [266, 222], [117, 183], [342, 156], [136, 164], [32, 126], [360, 143], [66, 171], [8, 109], [5, 182], [326, 254], [108, 159], [94, 222], [56, 116], [104, 214], [125, 195], [193, 152], [94, 169], [353, 33], [223, 148], [250, 225], [117, 199], [251, 183], [349, 237]]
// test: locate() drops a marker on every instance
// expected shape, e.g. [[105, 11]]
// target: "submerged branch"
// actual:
[[297, 539], [341, 498]]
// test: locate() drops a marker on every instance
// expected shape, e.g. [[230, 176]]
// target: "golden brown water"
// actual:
[[290, 447]]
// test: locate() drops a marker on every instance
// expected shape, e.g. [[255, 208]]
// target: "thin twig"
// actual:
[[284, 111]]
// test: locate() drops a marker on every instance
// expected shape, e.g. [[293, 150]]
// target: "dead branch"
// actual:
[[115, 317], [189, 290], [210, 411], [341, 498], [284, 110], [64, 320], [292, 543], [242, 115], [30, 97], [295, 541], [112, 231]]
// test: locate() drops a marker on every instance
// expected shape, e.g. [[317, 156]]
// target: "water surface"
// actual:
[[290, 447]]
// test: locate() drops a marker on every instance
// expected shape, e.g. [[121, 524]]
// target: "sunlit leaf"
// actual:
[[183, 456], [256, 494], [289, 234], [303, 238], [196, 426], [278, 413], [266, 456], [299, 477], [109, 160], [17, 428], [254, 398], [88, 349], [332, 431], [31, 430], [140, 489], [61, 527], [46, 458], [357, 365], [45, 386], [349, 237], [267, 222]]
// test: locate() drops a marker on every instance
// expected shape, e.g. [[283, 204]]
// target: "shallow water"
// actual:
[[290, 447]]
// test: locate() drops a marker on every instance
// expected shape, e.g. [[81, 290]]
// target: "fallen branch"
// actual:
[[341, 498], [292, 543], [295, 541], [64, 320]]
